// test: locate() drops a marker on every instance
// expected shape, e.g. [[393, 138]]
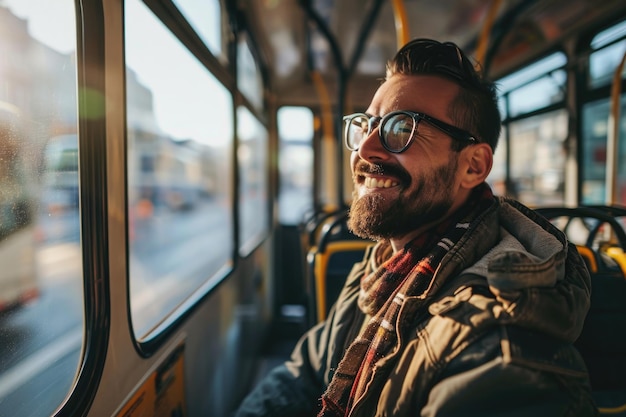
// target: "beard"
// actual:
[[423, 200]]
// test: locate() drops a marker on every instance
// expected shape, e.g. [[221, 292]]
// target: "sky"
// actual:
[[49, 21], [188, 101]]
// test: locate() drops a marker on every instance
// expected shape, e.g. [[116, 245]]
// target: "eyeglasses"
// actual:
[[396, 130]]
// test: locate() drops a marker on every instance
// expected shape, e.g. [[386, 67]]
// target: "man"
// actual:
[[468, 305]]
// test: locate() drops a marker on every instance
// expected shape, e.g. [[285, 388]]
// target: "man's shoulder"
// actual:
[[469, 316], [516, 346]]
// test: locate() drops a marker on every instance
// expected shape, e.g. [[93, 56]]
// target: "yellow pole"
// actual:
[[328, 143], [402, 26], [483, 41]]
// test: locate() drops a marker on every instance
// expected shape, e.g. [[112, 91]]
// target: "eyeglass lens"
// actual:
[[396, 131]]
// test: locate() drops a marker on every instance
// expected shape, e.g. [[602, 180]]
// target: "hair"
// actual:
[[475, 108]]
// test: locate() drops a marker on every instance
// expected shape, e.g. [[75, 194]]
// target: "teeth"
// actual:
[[373, 183]]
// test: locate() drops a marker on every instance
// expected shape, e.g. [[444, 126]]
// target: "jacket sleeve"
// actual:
[[505, 390], [294, 389], [528, 377]]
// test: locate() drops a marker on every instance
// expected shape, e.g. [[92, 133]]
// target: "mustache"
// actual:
[[363, 167]]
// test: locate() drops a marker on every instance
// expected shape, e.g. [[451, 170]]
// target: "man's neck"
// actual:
[[399, 242]]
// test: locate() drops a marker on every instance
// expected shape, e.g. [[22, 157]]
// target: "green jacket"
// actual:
[[492, 340]]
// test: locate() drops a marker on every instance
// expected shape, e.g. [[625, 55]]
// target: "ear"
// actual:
[[479, 160]]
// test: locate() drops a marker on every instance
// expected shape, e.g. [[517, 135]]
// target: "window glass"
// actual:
[[607, 56], [529, 89], [531, 72], [295, 197], [504, 114], [609, 35], [206, 18], [538, 158], [497, 176], [252, 154], [536, 144], [603, 63], [595, 130], [41, 281], [248, 74], [538, 94], [180, 139]]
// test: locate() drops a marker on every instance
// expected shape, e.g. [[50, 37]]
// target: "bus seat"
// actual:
[[312, 228], [618, 255], [329, 262], [309, 230], [330, 269], [602, 342], [589, 257]]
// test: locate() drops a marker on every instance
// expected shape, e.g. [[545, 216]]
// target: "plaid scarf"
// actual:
[[407, 273]]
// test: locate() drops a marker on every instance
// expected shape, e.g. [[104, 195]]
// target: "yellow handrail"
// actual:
[[328, 139], [483, 41], [322, 92], [402, 26], [612, 410]]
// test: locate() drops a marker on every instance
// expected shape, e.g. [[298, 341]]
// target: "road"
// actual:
[[171, 255]]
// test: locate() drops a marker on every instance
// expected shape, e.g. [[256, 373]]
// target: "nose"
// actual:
[[371, 147]]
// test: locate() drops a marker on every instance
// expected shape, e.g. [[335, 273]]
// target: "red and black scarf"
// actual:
[[407, 273]]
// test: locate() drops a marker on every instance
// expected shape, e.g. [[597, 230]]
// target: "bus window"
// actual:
[[180, 187], [538, 158], [252, 154], [595, 116], [19, 281], [497, 176], [609, 47], [60, 174], [534, 87], [536, 131], [295, 197], [248, 74], [205, 17], [41, 280]]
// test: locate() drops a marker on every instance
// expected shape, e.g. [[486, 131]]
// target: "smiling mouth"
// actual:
[[371, 182]]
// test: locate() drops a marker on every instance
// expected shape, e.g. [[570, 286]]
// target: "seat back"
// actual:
[[602, 342], [330, 269], [590, 258], [330, 261]]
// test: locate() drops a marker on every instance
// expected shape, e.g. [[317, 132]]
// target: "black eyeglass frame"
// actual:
[[452, 131]]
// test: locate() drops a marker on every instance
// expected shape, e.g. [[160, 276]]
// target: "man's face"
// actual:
[[396, 194]]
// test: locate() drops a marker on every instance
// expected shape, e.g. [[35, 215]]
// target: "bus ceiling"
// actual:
[[352, 39]]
